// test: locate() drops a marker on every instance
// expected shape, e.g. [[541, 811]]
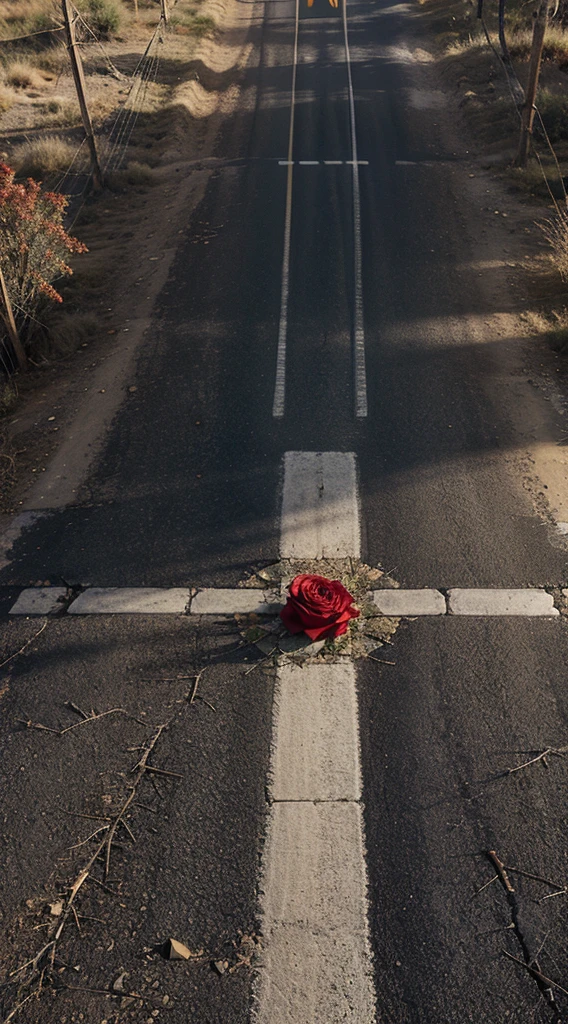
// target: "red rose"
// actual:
[[319, 607]]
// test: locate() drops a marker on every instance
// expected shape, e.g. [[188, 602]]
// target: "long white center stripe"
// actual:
[[280, 385], [358, 325], [316, 965]]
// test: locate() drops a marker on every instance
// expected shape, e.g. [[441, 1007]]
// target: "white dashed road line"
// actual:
[[405, 604], [320, 511], [410, 602], [131, 600], [358, 325], [501, 602], [280, 384]]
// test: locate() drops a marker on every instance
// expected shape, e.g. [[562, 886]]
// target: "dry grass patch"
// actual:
[[7, 98], [67, 331], [61, 113], [22, 74], [46, 155], [191, 24], [555, 44], [556, 232], [21, 17], [53, 61]]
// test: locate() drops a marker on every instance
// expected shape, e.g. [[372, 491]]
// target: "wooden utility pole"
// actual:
[[165, 10], [528, 109], [77, 67], [8, 318]]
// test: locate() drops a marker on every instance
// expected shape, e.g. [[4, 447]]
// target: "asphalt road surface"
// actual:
[[331, 310]]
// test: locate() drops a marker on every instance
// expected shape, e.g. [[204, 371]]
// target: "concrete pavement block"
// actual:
[[39, 601], [131, 601], [409, 602], [213, 601], [501, 602]]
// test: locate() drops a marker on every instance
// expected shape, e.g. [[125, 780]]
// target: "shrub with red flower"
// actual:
[[317, 606], [34, 246]]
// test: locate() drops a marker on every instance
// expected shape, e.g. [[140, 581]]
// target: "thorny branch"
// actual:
[[44, 959], [557, 751], [61, 732], [536, 973], [27, 644]]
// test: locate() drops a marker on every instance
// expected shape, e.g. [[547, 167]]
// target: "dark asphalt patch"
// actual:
[[465, 701], [192, 872]]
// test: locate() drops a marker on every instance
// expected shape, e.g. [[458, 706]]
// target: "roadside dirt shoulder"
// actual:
[[65, 406]]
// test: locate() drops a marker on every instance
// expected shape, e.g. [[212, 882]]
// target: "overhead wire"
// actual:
[[121, 131], [516, 87], [110, 65]]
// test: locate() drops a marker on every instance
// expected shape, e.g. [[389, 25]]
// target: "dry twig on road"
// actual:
[[27, 644], [501, 871], [536, 973], [557, 751]]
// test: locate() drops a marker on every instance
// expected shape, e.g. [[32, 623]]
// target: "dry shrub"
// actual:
[[191, 24], [67, 331], [61, 113], [46, 155], [20, 17], [23, 75], [135, 173], [555, 43], [54, 60], [7, 98], [556, 232]]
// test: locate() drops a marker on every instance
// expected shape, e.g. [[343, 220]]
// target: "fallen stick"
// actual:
[[536, 973], [490, 882], [551, 895], [162, 771], [557, 751], [536, 878], [194, 688], [500, 868], [22, 649], [61, 732], [94, 718]]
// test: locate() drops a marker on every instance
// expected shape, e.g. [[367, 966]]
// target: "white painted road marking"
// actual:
[[280, 384], [39, 601], [501, 602], [410, 602], [327, 163], [229, 602], [529, 602], [316, 964], [358, 326], [131, 601], [315, 735], [320, 511]]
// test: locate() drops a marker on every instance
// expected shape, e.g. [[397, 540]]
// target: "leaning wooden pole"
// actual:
[[528, 109], [77, 68], [8, 318]]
